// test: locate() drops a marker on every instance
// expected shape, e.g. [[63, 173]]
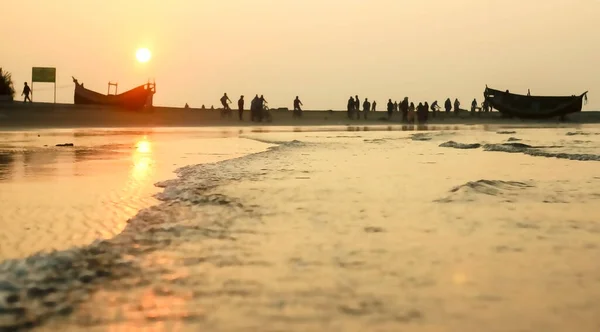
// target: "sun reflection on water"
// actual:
[[142, 159]]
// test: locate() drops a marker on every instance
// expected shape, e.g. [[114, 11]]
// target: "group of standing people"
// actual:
[[410, 112], [354, 107], [258, 107], [259, 110]]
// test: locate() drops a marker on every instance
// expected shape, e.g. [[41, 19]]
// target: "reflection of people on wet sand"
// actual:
[[297, 109], [26, 91]]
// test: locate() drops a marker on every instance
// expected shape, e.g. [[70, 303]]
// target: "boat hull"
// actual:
[[134, 99], [533, 107]]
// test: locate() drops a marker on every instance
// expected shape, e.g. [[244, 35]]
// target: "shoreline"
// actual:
[[16, 116]]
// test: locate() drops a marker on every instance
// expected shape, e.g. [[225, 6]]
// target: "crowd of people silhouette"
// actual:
[[409, 112], [259, 111]]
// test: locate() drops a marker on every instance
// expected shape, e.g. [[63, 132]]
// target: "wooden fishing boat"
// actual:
[[525, 106], [135, 99]]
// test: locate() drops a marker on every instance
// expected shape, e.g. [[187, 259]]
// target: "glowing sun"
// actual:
[[143, 55]]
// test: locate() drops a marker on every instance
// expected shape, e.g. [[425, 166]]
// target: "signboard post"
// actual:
[[43, 75]]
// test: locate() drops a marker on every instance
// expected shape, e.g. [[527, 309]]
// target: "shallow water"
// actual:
[[337, 231], [57, 197]]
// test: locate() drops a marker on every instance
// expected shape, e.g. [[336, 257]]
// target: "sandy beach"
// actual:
[[464, 229], [27, 116]]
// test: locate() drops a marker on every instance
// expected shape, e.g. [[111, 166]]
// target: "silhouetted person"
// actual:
[[528, 92], [26, 92], [404, 106], [390, 109], [241, 108], [456, 106], [411, 113], [395, 106], [374, 106], [254, 109], [366, 108], [350, 107], [448, 105], [473, 106], [420, 111], [225, 102], [186, 106], [263, 105], [357, 107], [426, 111], [434, 108], [297, 109], [203, 107], [485, 106]]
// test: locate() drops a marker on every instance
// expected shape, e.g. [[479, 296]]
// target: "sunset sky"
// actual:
[[322, 50]]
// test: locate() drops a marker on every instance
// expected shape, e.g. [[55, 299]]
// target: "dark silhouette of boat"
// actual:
[[533, 107], [135, 99]]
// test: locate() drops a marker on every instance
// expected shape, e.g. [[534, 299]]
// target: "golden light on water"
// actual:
[[142, 159], [143, 55], [143, 146]]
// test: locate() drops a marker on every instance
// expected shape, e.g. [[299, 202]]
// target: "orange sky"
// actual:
[[322, 50]]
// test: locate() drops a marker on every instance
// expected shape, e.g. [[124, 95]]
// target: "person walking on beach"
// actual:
[[448, 105], [456, 106], [426, 111], [297, 109], [357, 107], [390, 109], [374, 106], [396, 106], [241, 107], [366, 108], [26, 92]]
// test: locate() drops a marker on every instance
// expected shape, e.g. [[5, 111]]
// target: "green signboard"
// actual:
[[42, 74]]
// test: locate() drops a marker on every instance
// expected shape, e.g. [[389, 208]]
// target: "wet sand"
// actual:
[[54, 198], [344, 231]]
